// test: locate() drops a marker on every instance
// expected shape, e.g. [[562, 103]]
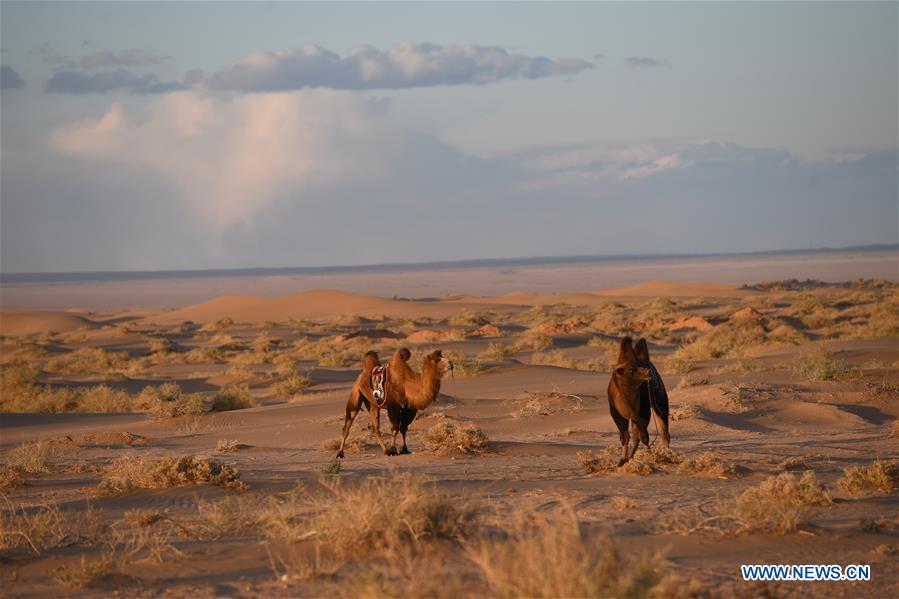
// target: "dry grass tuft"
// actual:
[[83, 574], [34, 458], [10, 478], [544, 404], [130, 472], [168, 400], [793, 464], [451, 437], [291, 384], [707, 463], [777, 504], [228, 446], [387, 513], [876, 478], [549, 556], [818, 364], [780, 504], [607, 461], [621, 503], [685, 412], [232, 397]]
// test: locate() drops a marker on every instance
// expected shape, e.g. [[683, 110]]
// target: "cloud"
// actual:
[[74, 82], [319, 177], [10, 79], [230, 158], [132, 57], [640, 62], [404, 65]]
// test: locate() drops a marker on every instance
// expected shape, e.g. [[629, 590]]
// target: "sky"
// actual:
[[162, 135]]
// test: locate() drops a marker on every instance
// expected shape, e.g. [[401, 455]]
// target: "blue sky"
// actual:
[[219, 134]]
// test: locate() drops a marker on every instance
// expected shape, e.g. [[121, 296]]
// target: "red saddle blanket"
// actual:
[[379, 381]]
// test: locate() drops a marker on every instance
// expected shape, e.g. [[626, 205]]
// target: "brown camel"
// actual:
[[636, 388], [407, 392]]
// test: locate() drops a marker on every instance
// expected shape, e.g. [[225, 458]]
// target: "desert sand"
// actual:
[[764, 382]]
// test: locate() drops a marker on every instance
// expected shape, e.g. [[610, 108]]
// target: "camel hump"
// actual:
[[403, 354], [370, 360]]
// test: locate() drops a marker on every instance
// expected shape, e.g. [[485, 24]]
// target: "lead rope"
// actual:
[[455, 396], [652, 406]]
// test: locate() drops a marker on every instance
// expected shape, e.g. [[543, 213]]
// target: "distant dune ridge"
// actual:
[[327, 304]]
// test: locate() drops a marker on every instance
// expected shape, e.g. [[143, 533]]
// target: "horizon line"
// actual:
[[38, 276]]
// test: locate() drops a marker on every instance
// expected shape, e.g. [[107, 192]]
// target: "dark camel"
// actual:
[[407, 393], [635, 390]]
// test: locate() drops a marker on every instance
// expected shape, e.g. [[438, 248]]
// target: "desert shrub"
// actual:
[[780, 504], [777, 504], [83, 574], [621, 503], [877, 477], [332, 468], [291, 384], [386, 513], [707, 463], [10, 478], [45, 525], [90, 360], [731, 339], [678, 364], [550, 556], [232, 397], [642, 464], [463, 438], [18, 376], [168, 400], [227, 446], [34, 458], [496, 351], [684, 412], [103, 399], [544, 404], [605, 461], [533, 341], [818, 364], [161, 345], [130, 472]]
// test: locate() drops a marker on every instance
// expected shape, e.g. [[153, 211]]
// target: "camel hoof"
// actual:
[[340, 454], [405, 451], [391, 451], [622, 462]]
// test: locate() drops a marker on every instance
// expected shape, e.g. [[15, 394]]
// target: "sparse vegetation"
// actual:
[[818, 364], [34, 458], [463, 438], [544, 404], [387, 513], [130, 472], [232, 397], [707, 463], [168, 400], [878, 477]]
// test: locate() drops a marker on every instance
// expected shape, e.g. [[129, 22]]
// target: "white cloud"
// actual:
[[230, 159]]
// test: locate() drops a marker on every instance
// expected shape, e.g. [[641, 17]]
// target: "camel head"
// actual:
[[435, 362], [631, 371]]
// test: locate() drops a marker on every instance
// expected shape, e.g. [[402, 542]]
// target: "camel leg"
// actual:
[[375, 413], [394, 413], [638, 430], [353, 405], [408, 416], [621, 422]]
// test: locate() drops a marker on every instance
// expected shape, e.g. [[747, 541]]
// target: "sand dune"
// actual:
[[319, 304], [28, 322], [661, 287]]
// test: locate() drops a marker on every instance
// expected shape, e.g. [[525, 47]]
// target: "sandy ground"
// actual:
[[754, 409]]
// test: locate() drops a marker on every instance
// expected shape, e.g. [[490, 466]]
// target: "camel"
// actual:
[[636, 388], [407, 392]]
